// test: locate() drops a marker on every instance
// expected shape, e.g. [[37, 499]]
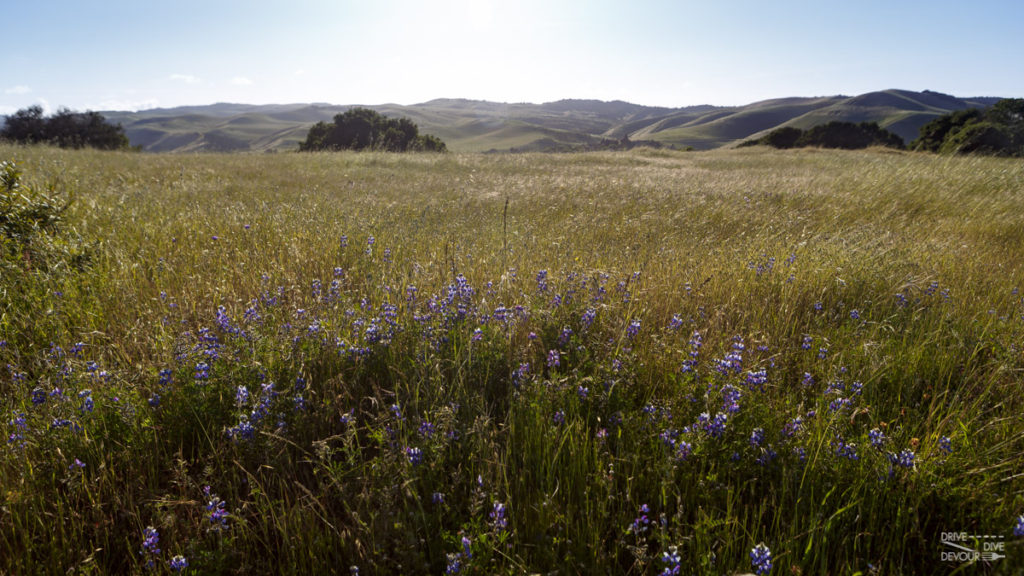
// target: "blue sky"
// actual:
[[120, 55]]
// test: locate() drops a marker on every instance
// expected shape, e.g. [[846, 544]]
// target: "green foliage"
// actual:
[[934, 133], [30, 231], [785, 137], [365, 129], [844, 135], [66, 129], [995, 131]]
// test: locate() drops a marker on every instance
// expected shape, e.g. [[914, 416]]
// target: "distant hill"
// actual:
[[479, 126]]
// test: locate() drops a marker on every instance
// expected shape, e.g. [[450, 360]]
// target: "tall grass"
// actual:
[[514, 364]]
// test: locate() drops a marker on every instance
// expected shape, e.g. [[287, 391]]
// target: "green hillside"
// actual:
[[480, 126]]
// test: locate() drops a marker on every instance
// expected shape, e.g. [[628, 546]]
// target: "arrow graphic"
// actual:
[[991, 556], [964, 548]]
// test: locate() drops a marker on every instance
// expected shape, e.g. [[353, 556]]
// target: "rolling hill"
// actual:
[[479, 126]]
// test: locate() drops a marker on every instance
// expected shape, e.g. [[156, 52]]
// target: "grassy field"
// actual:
[[611, 363]]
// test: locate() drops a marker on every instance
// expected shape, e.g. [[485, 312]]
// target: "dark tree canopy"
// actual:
[[365, 129], [845, 135], [66, 129], [998, 130]]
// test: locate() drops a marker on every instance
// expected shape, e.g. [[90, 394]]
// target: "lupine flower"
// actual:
[[497, 516], [845, 449], [150, 542], [554, 359], [905, 459], [633, 329], [683, 450], [855, 314], [38, 396], [216, 507], [426, 429], [761, 559], [641, 522], [792, 427], [756, 437], [1018, 530], [877, 438], [179, 563], [76, 464], [437, 498], [559, 418], [671, 560], [415, 456], [946, 445]]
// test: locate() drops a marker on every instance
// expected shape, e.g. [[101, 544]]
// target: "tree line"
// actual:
[[365, 129], [66, 129], [996, 130]]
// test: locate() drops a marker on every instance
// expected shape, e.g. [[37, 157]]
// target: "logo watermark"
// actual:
[[966, 548]]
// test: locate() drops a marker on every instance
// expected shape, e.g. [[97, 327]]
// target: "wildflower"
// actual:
[[415, 456], [633, 329], [38, 396], [675, 323], [216, 507], [761, 559], [179, 563], [426, 429], [946, 445], [641, 522], [671, 560], [478, 335], [241, 395], [845, 449], [683, 450], [564, 337], [756, 437], [713, 427], [454, 564], [905, 459], [87, 402], [806, 344], [792, 427], [554, 359], [76, 464], [559, 418], [498, 518], [1018, 530], [437, 498], [877, 438], [150, 542], [855, 314]]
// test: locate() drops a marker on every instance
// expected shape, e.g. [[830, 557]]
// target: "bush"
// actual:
[[30, 232]]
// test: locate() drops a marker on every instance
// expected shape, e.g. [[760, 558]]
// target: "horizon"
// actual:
[[48, 109], [123, 56]]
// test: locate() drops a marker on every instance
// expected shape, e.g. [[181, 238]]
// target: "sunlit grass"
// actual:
[[875, 290]]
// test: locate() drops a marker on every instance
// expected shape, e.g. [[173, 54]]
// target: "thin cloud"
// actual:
[[186, 78], [241, 81], [19, 89], [127, 105]]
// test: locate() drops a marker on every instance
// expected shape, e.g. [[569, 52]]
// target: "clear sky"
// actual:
[[128, 55]]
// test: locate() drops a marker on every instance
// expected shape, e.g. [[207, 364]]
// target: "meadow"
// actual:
[[647, 362]]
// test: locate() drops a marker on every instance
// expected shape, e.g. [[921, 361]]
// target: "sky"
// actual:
[[132, 55]]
